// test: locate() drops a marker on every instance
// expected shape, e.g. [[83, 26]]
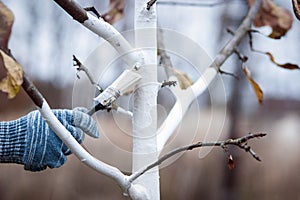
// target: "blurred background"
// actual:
[[43, 40]]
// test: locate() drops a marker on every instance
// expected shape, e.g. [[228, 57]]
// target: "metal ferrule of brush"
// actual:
[[108, 96]]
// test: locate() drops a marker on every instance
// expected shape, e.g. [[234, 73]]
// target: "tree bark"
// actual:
[[145, 100]]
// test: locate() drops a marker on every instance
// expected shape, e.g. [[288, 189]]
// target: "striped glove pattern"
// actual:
[[31, 142]]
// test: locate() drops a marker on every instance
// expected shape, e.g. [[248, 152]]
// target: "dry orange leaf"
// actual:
[[286, 65], [14, 74], [183, 79], [258, 91], [296, 7], [116, 11], [12, 82], [278, 18]]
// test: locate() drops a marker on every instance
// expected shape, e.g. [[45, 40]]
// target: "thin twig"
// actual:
[[251, 41], [80, 67], [239, 34], [239, 142], [231, 32], [93, 10], [165, 59], [150, 4], [168, 83], [221, 57], [242, 57], [34, 94], [229, 74]]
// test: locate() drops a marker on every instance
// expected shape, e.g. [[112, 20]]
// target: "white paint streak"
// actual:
[[145, 101], [136, 193], [114, 37], [184, 98]]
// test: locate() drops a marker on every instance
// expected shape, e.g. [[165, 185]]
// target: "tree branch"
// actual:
[[73, 9], [80, 67], [130, 189], [168, 83], [238, 36], [68, 139], [239, 142], [150, 4], [165, 59], [104, 30], [135, 192], [180, 108], [95, 108], [32, 91]]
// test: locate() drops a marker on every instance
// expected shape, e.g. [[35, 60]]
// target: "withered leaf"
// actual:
[[230, 162], [286, 65], [258, 91], [14, 74], [6, 22], [272, 59], [296, 7], [278, 18], [183, 78], [116, 11], [12, 82]]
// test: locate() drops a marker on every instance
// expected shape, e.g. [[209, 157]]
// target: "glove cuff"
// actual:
[[13, 141]]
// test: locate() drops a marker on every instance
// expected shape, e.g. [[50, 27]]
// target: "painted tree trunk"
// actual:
[[145, 100]]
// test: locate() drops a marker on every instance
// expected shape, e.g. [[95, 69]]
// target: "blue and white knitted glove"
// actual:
[[30, 141]]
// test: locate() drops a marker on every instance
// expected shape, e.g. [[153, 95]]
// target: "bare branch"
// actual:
[[168, 83], [250, 31], [289, 66], [229, 74], [242, 57], [73, 9], [105, 30], [32, 91], [165, 59], [179, 109], [80, 67], [64, 134], [239, 142], [150, 4], [81, 153], [231, 32], [238, 36], [93, 10]]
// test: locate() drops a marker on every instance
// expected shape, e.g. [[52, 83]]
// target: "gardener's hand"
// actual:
[[30, 141]]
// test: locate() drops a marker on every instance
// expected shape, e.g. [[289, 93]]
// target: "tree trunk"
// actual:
[[145, 100]]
